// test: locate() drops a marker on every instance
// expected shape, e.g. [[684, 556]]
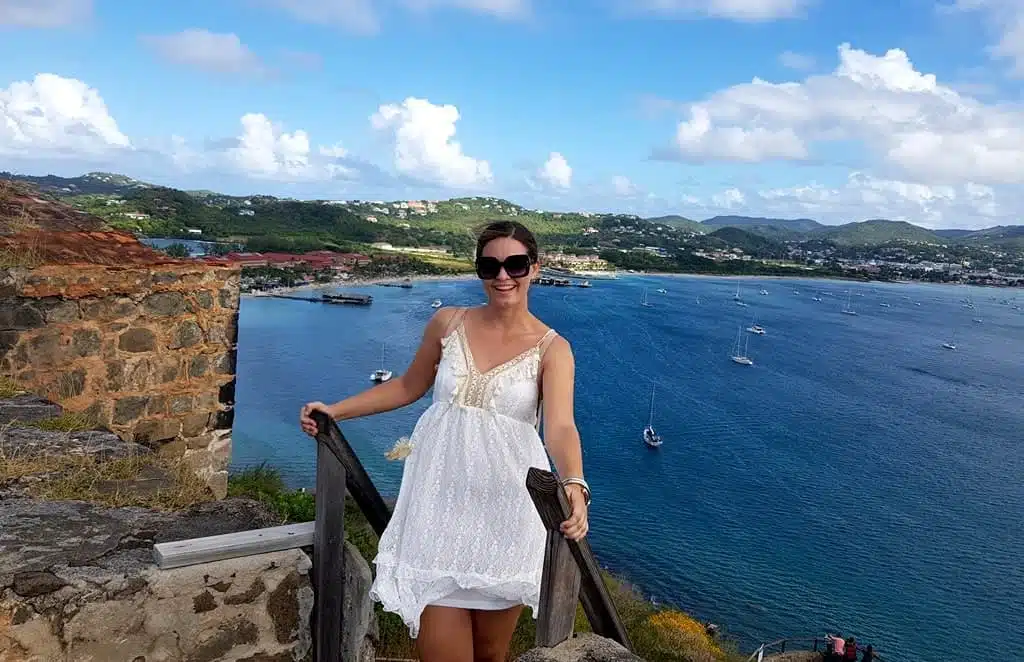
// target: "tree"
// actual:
[[178, 250]]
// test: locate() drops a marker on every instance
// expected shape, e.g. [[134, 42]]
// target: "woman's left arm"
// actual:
[[558, 377]]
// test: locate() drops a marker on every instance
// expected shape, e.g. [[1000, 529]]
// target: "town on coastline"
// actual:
[[281, 242]]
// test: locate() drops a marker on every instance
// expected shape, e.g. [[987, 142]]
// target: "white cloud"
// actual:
[[738, 10], [905, 120], [730, 198], [504, 9], [208, 51], [425, 145], [864, 196], [1007, 18], [56, 115], [361, 16], [698, 140], [334, 151], [264, 150], [44, 13], [554, 174], [623, 187], [797, 61], [353, 15]]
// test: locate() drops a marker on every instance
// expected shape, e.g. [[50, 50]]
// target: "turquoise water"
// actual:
[[858, 478]]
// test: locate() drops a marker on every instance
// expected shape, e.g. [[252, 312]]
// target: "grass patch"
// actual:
[[452, 263], [658, 634], [145, 480], [264, 484], [9, 389], [66, 422]]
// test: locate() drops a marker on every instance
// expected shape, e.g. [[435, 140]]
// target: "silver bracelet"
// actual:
[[583, 484]]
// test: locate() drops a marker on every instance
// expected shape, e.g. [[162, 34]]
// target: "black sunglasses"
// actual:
[[516, 266]]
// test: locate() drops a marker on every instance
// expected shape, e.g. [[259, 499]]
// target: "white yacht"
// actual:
[[436, 303]]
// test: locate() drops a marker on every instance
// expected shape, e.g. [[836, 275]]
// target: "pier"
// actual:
[[351, 299], [559, 282], [405, 284]]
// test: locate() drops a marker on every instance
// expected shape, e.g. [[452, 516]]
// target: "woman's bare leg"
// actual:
[[446, 635], [492, 633]]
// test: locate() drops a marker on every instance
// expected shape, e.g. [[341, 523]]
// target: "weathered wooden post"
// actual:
[[328, 548], [562, 583], [362, 489]]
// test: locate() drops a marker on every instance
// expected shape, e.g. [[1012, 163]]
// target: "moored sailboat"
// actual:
[[651, 438]]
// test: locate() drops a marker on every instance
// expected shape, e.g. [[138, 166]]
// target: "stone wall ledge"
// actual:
[[77, 584], [582, 647]]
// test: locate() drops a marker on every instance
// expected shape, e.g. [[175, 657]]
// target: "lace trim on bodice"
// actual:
[[478, 389]]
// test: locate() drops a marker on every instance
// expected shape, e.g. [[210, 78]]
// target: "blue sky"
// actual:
[[838, 110]]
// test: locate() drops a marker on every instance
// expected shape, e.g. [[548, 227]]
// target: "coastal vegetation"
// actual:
[[659, 634], [876, 248]]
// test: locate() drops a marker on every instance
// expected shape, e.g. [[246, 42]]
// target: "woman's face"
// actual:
[[505, 290]]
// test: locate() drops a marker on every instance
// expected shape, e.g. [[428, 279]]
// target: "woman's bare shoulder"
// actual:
[[442, 322]]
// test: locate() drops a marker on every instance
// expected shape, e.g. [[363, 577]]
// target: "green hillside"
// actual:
[[101, 183], [749, 242], [679, 222], [795, 225], [876, 232]]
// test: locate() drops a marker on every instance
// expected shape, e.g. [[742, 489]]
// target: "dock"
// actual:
[[405, 284], [355, 299], [559, 282], [350, 299]]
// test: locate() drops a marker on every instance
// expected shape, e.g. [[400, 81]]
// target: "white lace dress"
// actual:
[[464, 532]]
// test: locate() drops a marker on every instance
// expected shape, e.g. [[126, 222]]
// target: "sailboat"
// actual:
[[643, 299], [847, 310], [738, 355], [381, 375], [651, 438], [737, 299]]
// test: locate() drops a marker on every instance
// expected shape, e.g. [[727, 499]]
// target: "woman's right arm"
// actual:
[[395, 393]]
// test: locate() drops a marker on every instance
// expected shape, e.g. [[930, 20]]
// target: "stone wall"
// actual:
[[78, 584], [146, 350]]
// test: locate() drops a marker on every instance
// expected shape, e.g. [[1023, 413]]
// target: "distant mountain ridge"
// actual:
[[873, 231], [794, 225], [93, 183]]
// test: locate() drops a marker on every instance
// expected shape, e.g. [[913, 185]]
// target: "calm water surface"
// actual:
[[858, 478]]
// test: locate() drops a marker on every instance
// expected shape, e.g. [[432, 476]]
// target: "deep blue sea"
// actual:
[[857, 478]]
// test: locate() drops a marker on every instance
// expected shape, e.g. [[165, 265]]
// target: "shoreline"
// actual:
[[360, 282]]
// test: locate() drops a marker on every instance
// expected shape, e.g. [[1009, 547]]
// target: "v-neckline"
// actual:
[[472, 361]]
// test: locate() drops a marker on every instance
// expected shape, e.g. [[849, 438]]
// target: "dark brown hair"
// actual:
[[508, 230]]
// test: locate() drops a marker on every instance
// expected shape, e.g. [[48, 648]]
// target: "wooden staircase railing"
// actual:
[[571, 573]]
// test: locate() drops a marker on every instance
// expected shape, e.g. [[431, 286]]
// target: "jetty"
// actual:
[[559, 282], [352, 299], [405, 284]]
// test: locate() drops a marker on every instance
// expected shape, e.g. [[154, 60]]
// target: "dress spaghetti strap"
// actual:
[[455, 321]]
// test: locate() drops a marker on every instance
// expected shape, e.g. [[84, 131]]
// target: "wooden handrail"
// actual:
[[329, 557], [359, 484], [560, 589], [782, 643], [571, 573]]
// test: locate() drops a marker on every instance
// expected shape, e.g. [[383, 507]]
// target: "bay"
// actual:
[[857, 478]]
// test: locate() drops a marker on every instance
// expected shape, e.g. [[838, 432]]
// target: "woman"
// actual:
[[464, 550]]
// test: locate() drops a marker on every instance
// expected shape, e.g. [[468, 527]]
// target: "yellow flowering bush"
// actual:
[[674, 635]]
